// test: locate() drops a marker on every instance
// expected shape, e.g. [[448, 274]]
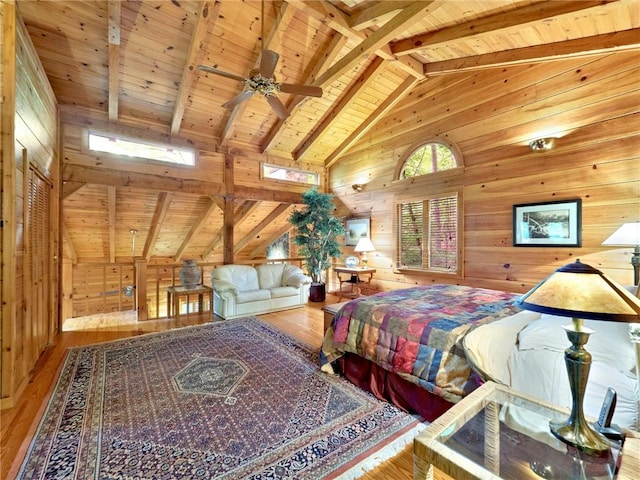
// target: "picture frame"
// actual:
[[355, 229], [548, 224]]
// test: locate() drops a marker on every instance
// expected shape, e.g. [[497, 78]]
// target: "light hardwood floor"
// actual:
[[18, 424]]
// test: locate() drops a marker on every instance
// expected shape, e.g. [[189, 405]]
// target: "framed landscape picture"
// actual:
[[355, 229], [548, 224]]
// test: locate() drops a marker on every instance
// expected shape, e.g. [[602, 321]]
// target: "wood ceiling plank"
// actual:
[[492, 23], [269, 219], [162, 207], [582, 47], [347, 100], [114, 10], [387, 105], [197, 52], [211, 206]]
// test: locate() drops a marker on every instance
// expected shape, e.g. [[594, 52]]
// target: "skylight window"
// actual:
[[278, 172], [130, 148]]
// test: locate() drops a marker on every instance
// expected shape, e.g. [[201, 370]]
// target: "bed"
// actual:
[[405, 346], [530, 358]]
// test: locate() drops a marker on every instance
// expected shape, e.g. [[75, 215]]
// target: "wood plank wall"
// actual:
[[30, 317], [591, 105]]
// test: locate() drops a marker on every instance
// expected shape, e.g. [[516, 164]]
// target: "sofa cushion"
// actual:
[[277, 292], [294, 276], [270, 275], [244, 277], [253, 295]]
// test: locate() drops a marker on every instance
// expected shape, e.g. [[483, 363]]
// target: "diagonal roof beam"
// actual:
[[272, 217], [493, 23], [362, 83], [391, 101], [376, 14], [285, 14], [212, 204], [241, 213], [160, 213], [275, 236], [329, 56], [113, 11], [202, 33], [581, 47]]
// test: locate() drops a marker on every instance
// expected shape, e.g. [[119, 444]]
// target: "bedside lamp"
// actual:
[[581, 292], [628, 235], [364, 245]]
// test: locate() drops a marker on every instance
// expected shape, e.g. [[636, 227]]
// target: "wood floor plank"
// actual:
[[18, 424]]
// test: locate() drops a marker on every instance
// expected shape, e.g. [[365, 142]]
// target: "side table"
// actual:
[[176, 292], [497, 433], [351, 275]]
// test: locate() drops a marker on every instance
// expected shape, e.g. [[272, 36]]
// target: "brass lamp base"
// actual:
[[581, 436], [576, 431]]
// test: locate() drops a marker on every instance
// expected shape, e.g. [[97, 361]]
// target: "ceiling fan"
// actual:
[[261, 81]]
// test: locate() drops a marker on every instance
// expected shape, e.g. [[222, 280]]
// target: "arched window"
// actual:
[[434, 156], [429, 225]]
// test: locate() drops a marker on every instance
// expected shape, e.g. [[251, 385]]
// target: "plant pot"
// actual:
[[190, 274], [317, 292]]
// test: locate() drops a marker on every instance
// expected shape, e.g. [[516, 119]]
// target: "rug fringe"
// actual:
[[391, 450]]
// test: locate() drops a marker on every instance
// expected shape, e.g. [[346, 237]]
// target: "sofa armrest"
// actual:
[[222, 286], [296, 280]]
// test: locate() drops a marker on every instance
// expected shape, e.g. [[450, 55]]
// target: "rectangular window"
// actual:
[[428, 234], [278, 172], [150, 151]]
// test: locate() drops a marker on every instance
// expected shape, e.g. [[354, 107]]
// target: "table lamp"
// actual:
[[628, 235], [364, 245], [580, 291]]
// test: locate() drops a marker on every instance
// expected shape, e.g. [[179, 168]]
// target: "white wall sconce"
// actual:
[[542, 144], [357, 187]]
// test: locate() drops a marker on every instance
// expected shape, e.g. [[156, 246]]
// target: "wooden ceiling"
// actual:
[[135, 63]]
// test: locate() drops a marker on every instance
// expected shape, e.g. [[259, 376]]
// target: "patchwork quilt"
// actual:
[[417, 333]]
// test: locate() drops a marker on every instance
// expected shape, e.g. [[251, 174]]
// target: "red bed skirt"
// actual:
[[391, 387]]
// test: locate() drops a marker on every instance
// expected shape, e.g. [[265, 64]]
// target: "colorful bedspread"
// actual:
[[417, 333]]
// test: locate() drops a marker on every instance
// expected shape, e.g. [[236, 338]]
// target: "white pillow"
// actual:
[[609, 342]]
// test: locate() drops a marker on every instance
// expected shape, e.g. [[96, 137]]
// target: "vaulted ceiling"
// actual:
[[136, 63]]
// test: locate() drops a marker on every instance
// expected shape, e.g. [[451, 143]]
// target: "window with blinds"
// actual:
[[428, 234]]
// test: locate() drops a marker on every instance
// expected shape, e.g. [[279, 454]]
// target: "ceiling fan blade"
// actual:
[[278, 107], [232, 76], [268, 62], [307, 90], [238, 99]]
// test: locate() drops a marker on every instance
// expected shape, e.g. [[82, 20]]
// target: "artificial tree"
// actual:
[[317, 232]]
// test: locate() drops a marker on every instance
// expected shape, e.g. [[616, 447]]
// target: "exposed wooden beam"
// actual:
[[376, 14], [68, 246], [68, 188], [209, 11], [235, 216], [111, 212], [284, 16], [363, 82], [397, 95], [198, 224], [162, 207], [272, 217], [335, 46], [228, 220], [114, 9], [260, 249], [493, 23], [581, 47]]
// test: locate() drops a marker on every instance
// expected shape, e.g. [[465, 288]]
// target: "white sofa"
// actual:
[[241, 290]]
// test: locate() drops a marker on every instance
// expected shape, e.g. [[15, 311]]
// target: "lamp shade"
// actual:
[[364, 245], [628, 234], [579, 290]]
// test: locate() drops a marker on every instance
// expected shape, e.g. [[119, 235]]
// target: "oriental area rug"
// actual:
[[236, 399]]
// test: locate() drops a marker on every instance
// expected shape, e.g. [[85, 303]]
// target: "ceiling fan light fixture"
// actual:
[[264, 86]]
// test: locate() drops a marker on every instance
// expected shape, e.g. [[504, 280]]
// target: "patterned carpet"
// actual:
[[227, 400]]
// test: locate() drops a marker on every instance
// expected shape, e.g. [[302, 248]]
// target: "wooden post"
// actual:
[[141, 287], [228, 208]]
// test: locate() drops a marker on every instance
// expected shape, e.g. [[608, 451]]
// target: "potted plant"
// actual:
[[317, 232]]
